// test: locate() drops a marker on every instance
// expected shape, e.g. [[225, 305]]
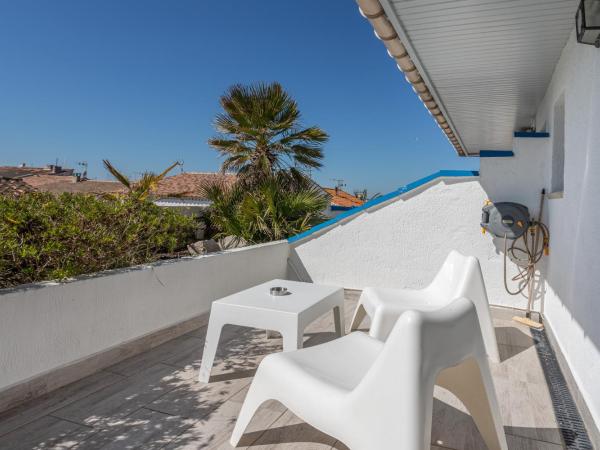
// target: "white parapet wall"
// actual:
[[403, 241], [48, 326]]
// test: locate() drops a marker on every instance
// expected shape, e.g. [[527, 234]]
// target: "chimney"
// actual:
[[337, 190]]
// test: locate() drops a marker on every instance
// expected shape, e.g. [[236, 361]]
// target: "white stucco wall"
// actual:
[[520, 178], [404, 243], [572, 305], [47, 326]]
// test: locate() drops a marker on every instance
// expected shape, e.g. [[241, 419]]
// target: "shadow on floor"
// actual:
[[451, 428], [296, 433], [516, 341]]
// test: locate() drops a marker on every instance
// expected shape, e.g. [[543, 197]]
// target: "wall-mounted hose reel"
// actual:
[[505, 219], [512, 222]]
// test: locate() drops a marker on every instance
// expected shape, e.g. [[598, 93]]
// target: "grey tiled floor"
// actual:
[[153, 401]]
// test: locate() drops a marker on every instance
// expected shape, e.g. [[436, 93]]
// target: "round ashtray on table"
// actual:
[[278, 291]]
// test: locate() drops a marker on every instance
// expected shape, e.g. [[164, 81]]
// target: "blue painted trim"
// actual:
[[531, 134], [496, 153], [384, 198], [341, 208]]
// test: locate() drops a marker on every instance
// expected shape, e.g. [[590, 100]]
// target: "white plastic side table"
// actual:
[[289, 314]]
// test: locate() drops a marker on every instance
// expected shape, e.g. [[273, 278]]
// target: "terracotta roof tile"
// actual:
[[84, 187], [14, 187], [190, 184], [342, 198], [38, 180]]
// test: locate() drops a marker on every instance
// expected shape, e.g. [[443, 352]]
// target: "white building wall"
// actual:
[[519, 178], [46, 326], [572, 305], [403, 243]]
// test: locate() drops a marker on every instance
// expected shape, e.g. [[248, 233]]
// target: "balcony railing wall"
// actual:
[[54, 333]]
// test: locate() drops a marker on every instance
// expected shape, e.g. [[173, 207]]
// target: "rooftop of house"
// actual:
[[343, 198], [72, 185], [190, 184], [32, 182], [43, 179], [26, 171], [154, 398], [14, 187]]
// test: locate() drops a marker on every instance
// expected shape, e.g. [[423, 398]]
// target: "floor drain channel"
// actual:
[[567, 415]]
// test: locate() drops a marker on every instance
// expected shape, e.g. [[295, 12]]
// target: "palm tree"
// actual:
[[277, 207], [143, 187], [260, 133]]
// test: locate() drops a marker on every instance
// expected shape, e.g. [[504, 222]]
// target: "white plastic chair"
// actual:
[[375, 395], [460, 276]]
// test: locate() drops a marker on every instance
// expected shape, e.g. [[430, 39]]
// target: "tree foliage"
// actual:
[[262, 139], [143, 187], [260, 133], [277, 207], [45, 237]]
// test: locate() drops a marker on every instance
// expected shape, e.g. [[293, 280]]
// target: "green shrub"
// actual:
[[275, 207], [47, 237]]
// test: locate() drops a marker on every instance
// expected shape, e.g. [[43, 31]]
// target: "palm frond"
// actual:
[[121, 178], [164, 173]]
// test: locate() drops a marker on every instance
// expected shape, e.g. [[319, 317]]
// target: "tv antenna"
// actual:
[[339, 182]]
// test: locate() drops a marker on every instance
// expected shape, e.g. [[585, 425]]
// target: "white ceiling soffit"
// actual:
[[488, 61]]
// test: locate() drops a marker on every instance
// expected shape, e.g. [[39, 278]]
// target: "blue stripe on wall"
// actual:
[[531, 134], [341, 208], [496, 153], [384, 198]]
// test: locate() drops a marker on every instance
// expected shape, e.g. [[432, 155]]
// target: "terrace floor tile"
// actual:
[[153, 400]]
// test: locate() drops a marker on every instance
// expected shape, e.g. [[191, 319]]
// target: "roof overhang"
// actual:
[[480, 67]]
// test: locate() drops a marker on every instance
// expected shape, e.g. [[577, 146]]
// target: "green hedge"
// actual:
[[47, 237]]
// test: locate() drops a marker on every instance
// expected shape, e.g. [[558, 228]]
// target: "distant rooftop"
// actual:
[[13, 187], [73, 186], [343, 198], [63, 180], [190, 184], [25, 171]]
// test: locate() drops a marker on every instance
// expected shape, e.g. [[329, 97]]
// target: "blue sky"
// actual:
[[138, 82]]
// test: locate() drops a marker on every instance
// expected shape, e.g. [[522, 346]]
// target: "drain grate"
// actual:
[[567, 415]]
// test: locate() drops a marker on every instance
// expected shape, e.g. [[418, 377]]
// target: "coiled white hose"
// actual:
[[527, 256]]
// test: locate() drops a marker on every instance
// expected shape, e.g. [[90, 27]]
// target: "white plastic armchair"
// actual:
[[375, 395], [460, 276]]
